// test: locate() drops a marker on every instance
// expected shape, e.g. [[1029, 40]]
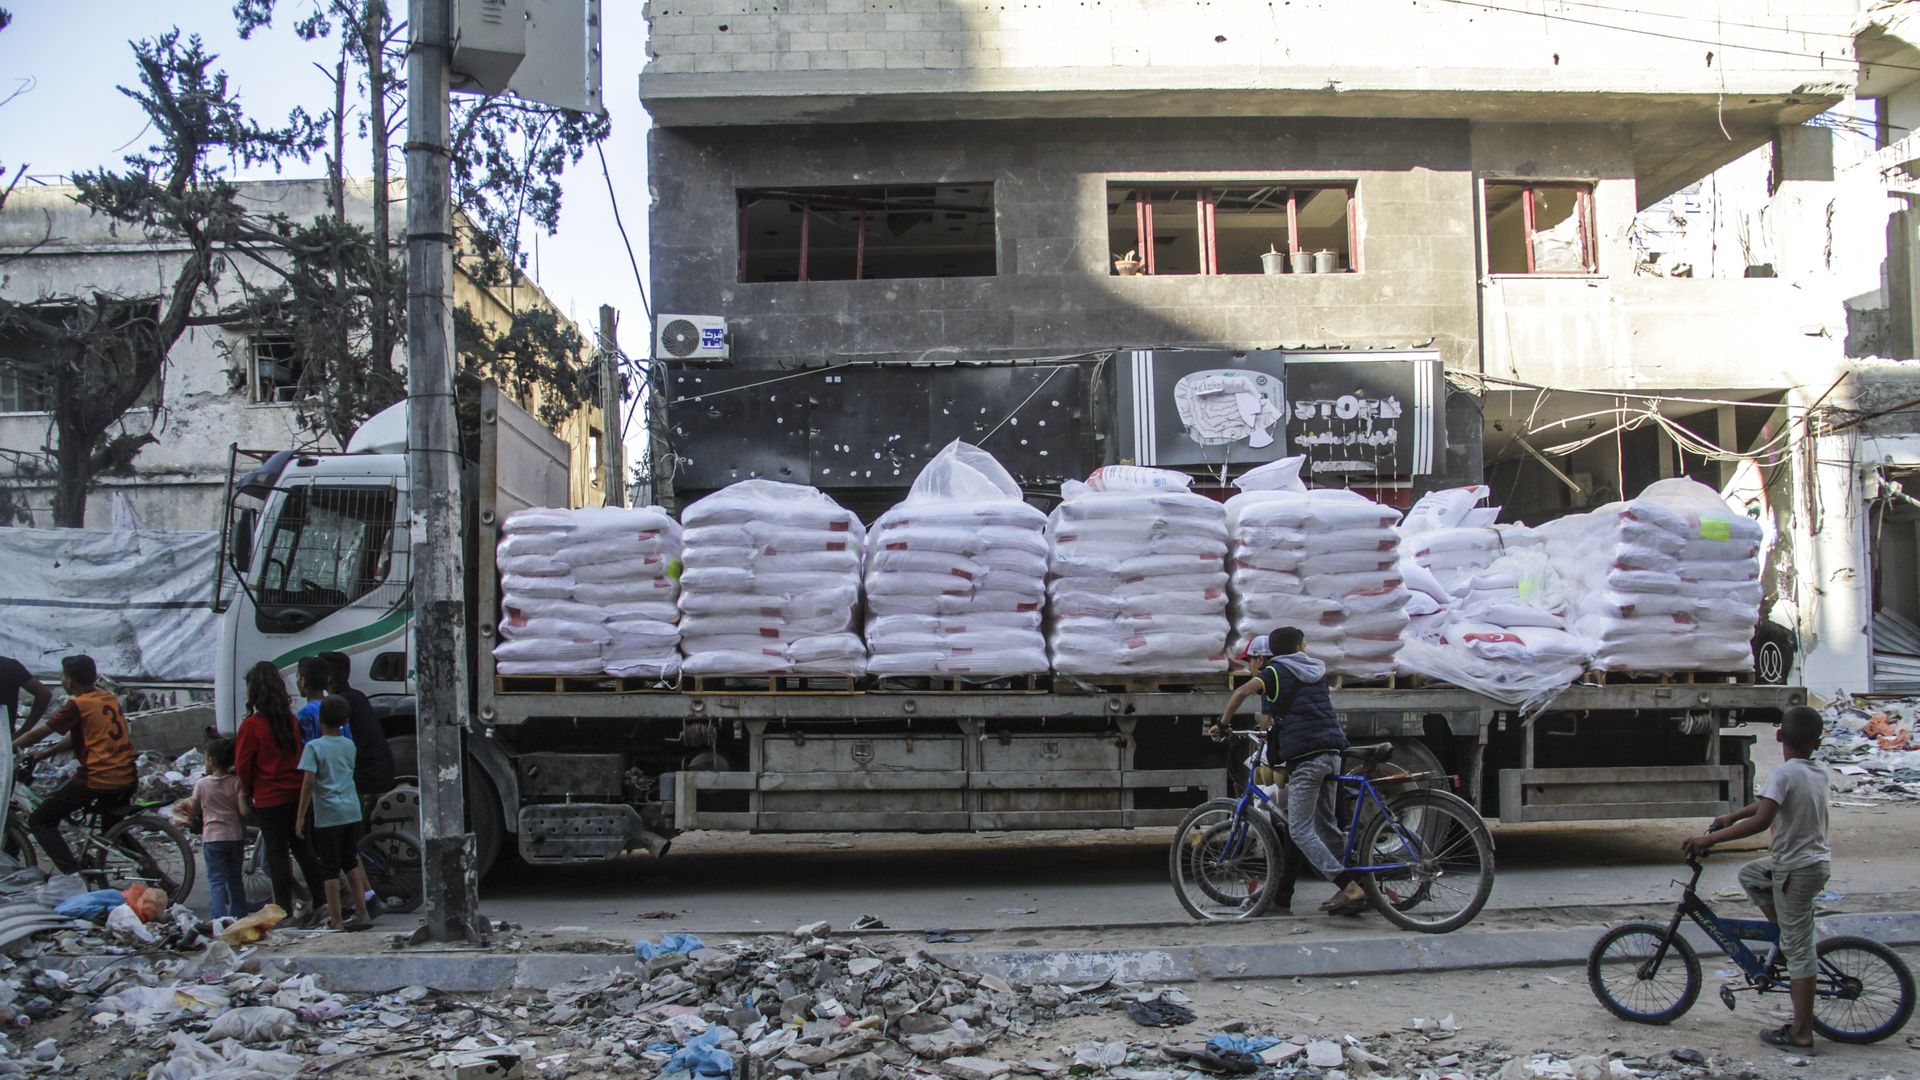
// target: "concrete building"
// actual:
[[916, 217], [221, 386]]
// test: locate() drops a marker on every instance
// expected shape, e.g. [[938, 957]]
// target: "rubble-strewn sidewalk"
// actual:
[[1873, 747]]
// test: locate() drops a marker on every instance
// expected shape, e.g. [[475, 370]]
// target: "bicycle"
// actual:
[[1649, 974], [115, 847], [1422, 849]]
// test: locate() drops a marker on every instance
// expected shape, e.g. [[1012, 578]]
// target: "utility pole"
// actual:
[[434, 498], [612, 447]]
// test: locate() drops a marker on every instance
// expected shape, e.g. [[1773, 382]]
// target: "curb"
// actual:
[[475, 971]]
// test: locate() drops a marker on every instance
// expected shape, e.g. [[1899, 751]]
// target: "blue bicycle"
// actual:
[[1424, 856], [1649, 974]]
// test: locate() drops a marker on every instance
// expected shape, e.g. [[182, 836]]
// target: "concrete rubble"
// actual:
[[780, 1007], [1872, 747]]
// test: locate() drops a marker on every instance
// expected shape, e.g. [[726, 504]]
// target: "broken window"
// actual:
[[1173, 229], [278, 368], [862, 233], [26, 369], [1540, 228]]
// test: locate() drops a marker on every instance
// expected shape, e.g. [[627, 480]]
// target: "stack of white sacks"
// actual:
[[586, 592], [1138, 583], [1326, 561], [1489, 610], [956, 576], [1669, 581], [771, 583]]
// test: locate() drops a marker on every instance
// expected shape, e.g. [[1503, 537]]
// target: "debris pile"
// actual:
[[1873, 748]]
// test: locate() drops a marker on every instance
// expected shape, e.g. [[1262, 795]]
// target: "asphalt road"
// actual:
[[718, 882]]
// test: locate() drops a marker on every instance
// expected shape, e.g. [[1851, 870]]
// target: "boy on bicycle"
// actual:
[[95, 729], [1793, 803], [1304, 737]]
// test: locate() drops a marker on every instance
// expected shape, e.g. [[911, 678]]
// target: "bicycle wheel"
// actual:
[[18, 843], [146, 849], [1623, 977], [391, 859], [1447, 858], [1864, 991], [1223, 865]]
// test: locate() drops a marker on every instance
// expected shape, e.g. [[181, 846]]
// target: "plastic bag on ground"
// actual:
[[668, 943], [146, 901], [702, 1056], [124, 920], [195, 1060], [91, 905], [254, 1024], [251, 928]]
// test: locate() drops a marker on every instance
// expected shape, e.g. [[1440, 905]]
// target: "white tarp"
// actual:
[[137, 601]]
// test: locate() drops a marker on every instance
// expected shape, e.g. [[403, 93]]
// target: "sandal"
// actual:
[[1782, 1037], [1346, 907]]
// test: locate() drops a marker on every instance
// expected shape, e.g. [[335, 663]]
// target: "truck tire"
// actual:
[[485, 818]]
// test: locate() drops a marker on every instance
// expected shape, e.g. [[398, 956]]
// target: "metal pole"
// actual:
[[433, 462], [612, 450]]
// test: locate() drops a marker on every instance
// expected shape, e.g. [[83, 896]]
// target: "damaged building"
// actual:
[[1205, 238]]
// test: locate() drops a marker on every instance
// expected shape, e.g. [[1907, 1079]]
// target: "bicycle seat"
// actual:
[[1372, 755]]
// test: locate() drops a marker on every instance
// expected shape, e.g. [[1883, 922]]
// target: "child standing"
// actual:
[[1794, 804], [220, 804], [326, 785]]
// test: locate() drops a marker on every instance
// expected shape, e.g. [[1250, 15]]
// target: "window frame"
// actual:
[[745, 197], [254, 340], [1585, 207], [1206, 207]]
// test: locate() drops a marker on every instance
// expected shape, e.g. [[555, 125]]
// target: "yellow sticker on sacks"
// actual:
[[1716, 529]]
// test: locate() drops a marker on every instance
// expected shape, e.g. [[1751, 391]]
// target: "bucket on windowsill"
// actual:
[[1273, 263], [1326, 262], [1302, 262]]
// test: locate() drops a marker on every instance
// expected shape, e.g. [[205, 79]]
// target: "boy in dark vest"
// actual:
[[1305, 738]]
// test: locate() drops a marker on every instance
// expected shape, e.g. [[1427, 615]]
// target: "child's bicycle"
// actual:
[[1424, 857], [115, 848], [1648, 973]]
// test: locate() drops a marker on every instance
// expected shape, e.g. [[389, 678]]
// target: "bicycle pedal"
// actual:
[[1726, 997]]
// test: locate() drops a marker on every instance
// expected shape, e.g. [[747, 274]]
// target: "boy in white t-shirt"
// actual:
[[1793, 802]]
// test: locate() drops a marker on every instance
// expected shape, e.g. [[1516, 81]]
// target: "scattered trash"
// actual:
[[1017, 911], [670, 943], [944, 936], [1159, 1013], [1872, 747], [867, 922]]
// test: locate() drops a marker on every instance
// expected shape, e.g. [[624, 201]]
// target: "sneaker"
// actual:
[[375, 908]]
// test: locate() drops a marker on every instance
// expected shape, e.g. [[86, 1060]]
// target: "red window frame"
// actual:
[[1205, 207], [1583, 212]]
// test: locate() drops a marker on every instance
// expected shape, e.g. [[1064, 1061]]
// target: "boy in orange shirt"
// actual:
[[95, 729]]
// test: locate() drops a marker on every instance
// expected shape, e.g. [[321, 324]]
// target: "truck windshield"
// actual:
[[330, 547]]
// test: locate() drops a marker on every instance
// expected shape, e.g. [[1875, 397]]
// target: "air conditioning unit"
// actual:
[[691, 339]]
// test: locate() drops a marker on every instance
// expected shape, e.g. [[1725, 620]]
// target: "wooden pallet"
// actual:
[[1597, 677], [580, 684], [955, 684], [1143, 684], [1382, 682], [768, 684]]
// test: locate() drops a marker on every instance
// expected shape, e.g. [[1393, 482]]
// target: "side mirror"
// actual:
[[240, 550]]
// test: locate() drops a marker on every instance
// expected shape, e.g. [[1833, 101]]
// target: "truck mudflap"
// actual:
[[584, 832]]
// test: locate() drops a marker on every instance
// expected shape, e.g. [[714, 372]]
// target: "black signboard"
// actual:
[[1358, 417]]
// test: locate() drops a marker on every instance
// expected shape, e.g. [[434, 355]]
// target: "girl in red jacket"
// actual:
[[267, 760]]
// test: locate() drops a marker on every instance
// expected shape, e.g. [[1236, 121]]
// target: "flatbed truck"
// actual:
[[573, 770]]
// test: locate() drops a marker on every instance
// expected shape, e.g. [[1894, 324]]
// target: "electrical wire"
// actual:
[[1822, 57], [1023, 403], [646, 308], [1698, 18]]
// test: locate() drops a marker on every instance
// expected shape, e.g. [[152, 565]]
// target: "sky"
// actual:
[[69, 56]]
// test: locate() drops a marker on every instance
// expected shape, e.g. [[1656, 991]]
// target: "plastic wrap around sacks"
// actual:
[[1489, 611], [1669, 581], [587, 592], [956, 574], [771, 583], [1325, 561], [1137, 583]]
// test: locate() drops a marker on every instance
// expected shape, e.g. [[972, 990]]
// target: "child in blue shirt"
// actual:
[[326, 785]]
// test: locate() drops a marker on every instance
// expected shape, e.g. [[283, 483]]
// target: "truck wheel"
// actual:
[[484, 817], [406, 755], [1414, 755]]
